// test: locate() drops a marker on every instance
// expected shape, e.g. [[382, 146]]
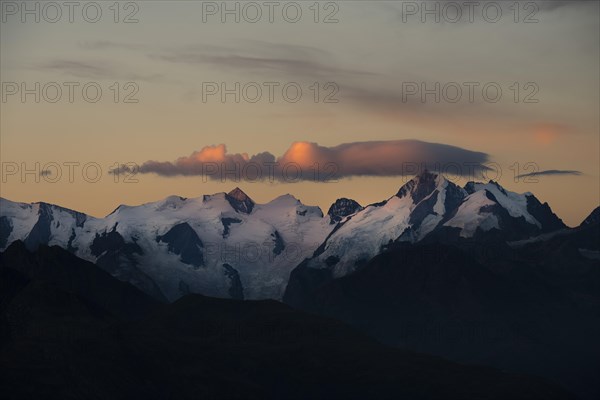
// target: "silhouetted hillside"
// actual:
[[59, 341]]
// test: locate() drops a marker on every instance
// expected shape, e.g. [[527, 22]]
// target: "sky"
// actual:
[[125, 103]]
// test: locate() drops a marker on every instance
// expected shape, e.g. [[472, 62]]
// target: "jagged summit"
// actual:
[[472, 186], [239, 194], [423, 185], [342, 208], [240, 201]]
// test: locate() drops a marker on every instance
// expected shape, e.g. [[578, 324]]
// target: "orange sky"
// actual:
[[368, 54]]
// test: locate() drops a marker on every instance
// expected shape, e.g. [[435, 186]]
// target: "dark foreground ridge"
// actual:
[[63, 335], [531, 308]]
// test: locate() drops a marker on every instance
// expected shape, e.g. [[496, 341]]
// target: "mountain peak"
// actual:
[[421, 185], [472, 186], [238, 194], [287, 197], [426, 173], [240, 201], [342, 208]]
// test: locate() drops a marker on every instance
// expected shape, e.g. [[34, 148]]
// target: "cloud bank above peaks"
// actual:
[[308, 161]]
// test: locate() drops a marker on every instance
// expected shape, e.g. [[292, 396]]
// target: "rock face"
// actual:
[[544, 215], [120, 259], [279, 244], [236, 290], [240, 201], [593, 218], [183, 240], [227, 223], [5, 230], [342, 208], [40, 233]]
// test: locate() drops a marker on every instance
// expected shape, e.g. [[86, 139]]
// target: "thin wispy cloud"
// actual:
[[263, 58], [107, 45], [78, 68], [94, 70], [551, 172], [554, 4]]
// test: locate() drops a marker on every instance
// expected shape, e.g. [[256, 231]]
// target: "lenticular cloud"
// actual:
[[310, 161]]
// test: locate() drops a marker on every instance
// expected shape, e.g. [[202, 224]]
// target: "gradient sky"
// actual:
[[369, 54]]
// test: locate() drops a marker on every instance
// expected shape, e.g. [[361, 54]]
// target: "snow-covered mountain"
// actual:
[[226, 245], [431, 204], [512, 215], [222, 245]]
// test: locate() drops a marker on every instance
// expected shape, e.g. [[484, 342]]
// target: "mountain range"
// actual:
[[476, 274], [226, 245]]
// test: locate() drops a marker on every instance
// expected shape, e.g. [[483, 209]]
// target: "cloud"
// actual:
[[546, 133], [107, 45], [95, 71], [554, 4], [550, 172], [309, 161], [264, 58], [78, 68]]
